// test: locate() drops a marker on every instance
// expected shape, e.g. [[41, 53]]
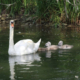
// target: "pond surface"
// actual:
[[46, 65]]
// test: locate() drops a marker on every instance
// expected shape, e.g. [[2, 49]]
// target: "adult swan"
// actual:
[[22, 47]]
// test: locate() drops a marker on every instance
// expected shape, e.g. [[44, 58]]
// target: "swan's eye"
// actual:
[[12, 24]]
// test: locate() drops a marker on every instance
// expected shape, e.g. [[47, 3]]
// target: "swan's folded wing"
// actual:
[[24, 46]]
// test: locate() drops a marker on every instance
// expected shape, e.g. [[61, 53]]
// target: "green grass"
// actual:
[[49, 10]]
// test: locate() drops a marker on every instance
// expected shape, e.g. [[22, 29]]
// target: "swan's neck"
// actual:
[[12, 64], [11, 41]]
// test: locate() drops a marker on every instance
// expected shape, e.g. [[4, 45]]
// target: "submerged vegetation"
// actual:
[[56, 11]]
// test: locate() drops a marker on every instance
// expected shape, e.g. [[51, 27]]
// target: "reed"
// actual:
[[29, 6], [50, 10]]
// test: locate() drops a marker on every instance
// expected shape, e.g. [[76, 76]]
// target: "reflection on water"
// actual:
[[52, 62], [48, 54], [60, 65], [60, 51], [25, 59], [46, 65]]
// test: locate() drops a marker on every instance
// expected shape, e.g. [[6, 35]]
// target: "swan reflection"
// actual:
[[50, 52], [25, 59], [65, 51], [60, 51]]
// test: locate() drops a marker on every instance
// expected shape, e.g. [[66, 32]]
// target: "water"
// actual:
[[46, 65]]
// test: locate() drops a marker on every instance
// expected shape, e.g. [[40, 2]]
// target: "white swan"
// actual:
[[22, 47]]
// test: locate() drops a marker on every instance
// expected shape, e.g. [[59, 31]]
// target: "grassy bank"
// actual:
[[56, 11]]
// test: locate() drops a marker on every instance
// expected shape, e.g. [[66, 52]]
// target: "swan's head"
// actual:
[[60, 43], [48, 44], [12, 23]]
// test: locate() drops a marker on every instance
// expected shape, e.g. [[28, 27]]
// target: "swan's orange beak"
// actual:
[[12, 25]]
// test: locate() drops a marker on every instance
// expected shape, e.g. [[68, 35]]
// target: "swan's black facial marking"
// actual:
[[12, 24]]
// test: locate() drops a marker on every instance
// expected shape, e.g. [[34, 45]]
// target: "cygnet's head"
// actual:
[[60, 43], [48, 44]]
